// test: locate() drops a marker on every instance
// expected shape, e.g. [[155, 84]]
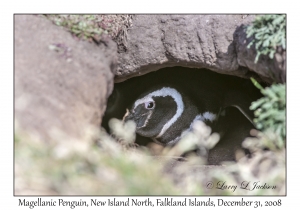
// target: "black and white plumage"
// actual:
[[203, 92], [164, 113]]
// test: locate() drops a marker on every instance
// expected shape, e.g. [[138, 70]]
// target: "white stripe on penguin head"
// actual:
[[166, 91]]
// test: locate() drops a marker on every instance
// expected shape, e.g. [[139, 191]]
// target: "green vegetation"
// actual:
[[270, 110], [92, 27], [84, 168], [269, 32], [103, 165]]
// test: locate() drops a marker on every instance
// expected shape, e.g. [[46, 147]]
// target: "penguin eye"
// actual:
[[149, 105]]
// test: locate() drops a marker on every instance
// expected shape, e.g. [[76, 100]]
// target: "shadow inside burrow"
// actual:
[[198, 84]]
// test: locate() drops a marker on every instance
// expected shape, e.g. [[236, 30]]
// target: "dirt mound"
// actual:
[[61, 83]]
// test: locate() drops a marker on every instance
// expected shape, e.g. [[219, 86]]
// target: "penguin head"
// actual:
[[154, 112], [164, 113]]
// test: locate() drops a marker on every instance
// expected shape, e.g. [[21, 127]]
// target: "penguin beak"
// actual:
[[128, 116], [139, 119]]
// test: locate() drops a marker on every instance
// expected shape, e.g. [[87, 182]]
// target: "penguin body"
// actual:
[[163, 113]]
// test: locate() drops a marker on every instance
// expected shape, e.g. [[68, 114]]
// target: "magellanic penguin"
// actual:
[[163, 113]]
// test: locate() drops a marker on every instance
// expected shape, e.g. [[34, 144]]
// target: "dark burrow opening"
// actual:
[[206, 89]]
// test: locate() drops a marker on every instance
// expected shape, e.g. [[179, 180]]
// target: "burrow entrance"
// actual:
[[202, 86]]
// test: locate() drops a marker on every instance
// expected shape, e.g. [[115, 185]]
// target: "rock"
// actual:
[[268, 69], [215, 42], [61, 84]]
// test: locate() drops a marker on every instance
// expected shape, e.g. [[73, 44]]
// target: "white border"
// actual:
[[8, 8]]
